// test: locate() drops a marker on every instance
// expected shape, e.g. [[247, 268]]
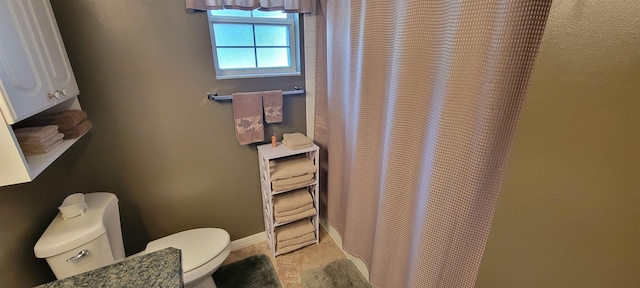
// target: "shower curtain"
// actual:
[[415, 111]]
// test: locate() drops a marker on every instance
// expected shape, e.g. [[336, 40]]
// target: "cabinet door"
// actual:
[[21, 70], [34, 61], [57, 65]]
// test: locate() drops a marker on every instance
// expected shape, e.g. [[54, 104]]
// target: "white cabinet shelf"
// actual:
[[15, 167], [267, 153]]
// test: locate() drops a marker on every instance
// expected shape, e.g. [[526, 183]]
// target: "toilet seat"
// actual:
[[198, 246]]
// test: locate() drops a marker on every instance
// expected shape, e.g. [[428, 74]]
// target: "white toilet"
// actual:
[[93, 240]]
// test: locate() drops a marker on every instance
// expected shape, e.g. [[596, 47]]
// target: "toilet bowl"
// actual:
[[98, 231], [203, 250]]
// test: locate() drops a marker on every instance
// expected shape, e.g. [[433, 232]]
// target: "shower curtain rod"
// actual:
[[213, 96]]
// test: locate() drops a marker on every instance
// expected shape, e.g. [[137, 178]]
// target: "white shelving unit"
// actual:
[[267, 153], [35, 77]]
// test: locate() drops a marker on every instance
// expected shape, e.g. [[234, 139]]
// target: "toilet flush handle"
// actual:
[[81, 254]]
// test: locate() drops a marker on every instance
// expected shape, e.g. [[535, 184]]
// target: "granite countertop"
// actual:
[[162, 268]]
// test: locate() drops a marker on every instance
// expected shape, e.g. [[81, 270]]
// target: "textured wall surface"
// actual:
[[568, 214], [170, 155]]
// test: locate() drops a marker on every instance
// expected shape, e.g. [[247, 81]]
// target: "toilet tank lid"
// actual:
[[63, 235], [198, 246]]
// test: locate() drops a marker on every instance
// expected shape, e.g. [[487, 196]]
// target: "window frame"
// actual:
[[292, 21]]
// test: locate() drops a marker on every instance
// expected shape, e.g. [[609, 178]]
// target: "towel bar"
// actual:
[[215, 97]]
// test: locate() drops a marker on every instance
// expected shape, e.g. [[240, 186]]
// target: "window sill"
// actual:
[[284, 74]]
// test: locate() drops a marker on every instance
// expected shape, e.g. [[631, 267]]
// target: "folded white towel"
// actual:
[[295, 241], [39, 141], [281, 188], [294, 230], [294, 211], [33, 145], [292, 180], [301, 215], [36, 134], [296, 147], [292, 200], [296, 139], [292, 167], [41, 150], [294, 247]]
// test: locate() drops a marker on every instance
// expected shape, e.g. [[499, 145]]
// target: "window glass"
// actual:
[[231, 12], [272, 35], [269, 14], [233, 34], [273, 57], [254, 43], [236, 58]]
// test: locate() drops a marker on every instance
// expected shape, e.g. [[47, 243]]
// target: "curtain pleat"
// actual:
[[417, 115], [321, 119], [293, 6]]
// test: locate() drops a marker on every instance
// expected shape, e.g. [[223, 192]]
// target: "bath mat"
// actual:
[[337, 274], [252, 272]]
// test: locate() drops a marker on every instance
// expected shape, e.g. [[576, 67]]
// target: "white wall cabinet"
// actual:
[[35, 76], [267, 153], [34, 68]]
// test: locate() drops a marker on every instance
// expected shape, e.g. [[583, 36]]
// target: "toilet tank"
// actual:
[[96, 231]]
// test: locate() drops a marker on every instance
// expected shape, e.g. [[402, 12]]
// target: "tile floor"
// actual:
[[290, 267]]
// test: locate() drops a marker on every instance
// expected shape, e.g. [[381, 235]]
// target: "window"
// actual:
[[254, 43]]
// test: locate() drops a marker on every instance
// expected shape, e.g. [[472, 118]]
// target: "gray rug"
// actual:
[[252, 272], [337, 274]]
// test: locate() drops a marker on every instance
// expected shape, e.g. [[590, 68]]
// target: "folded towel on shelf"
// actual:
[[296, 147], [64, 120], [293, 180], [293, 247], [36, 134], [292, 183], [292, 186], [30, 151], [296, 141], [294, 230], [247, 117], [34, 145], [295, 241], [272, 103], [37, 141], [77, 130], [296, 138], [43, 150], [272, 166], [292, 167], [302, 215], [294, 211], [292, 200]]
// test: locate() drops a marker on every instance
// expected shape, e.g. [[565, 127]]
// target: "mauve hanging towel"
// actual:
[[272, 102], [247, 117]]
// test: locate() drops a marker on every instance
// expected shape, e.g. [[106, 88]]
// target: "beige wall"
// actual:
[[169, 154], [569, 212]]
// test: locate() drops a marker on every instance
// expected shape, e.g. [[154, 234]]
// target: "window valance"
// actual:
[[291, 6]]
